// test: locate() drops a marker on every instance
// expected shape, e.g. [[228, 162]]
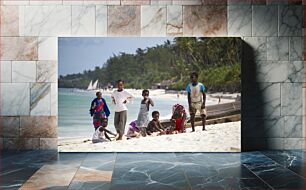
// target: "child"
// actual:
[[155, 125], [133, 130], [98, 110], [98, 136], [178, 118], [143, 115], [102, 131], [120, 97], [196, 99]]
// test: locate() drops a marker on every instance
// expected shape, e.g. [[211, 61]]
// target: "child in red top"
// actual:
[[178, 118]]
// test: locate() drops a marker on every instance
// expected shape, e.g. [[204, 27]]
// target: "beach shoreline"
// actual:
[[224, 137], [217, 97]]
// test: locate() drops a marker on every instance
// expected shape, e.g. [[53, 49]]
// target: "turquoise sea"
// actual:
[[74, 119]]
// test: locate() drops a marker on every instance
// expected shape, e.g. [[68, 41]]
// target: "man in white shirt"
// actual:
[[120, 97]]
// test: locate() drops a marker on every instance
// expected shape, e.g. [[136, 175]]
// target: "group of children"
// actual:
[[143, 126]]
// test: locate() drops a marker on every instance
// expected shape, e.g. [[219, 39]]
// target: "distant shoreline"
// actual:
[[155, 92]]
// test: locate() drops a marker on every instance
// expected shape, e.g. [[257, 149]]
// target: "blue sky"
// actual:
[[77, 54]]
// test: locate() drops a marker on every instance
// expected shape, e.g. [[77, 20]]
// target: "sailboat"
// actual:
[[90, 86], [93, 86]]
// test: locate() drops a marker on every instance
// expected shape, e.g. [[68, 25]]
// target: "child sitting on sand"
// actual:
[[101, 132], [133, 130], [154, 125], [178, 118], [143, 115]]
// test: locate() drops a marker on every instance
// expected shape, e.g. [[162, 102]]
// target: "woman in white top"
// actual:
[[120, 97]]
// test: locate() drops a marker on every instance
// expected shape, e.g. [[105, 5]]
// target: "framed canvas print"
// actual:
[[124, 94]]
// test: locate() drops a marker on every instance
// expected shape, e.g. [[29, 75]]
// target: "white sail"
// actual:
[[94, 86], [90, 86]]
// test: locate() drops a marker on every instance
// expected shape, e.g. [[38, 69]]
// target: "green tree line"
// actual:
[[217, 60]]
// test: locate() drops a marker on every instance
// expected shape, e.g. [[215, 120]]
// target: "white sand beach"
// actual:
[[224, 137], [160, 93]]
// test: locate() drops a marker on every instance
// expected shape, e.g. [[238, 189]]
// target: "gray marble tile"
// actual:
[[214, 2], [48, 143], [29, 144], [54, 99], [274, 174], [239, 21], [294, 127], [295, 71], [46, 71], [38, 127], [290, 20], [23, 71], [272, 71], [147, 171], [6, 71], [291, 99], [10, 143], [98, 162], [46, 2], [259, 48], [101, 20], [239, 2], [15, 99], [101, 2], [161, 2], [40, 99], [51, 20], [255, 127], [189, 2], [9, 127], [278, 48], [78, 2], [274, 127], [294, 143], [9, 21], [18, 48], [89, 185], [261, 99], [135, 2], [264, 22], [285, 2], [207, 21], [153, 20], [126, 21], [174, 20], [17, 2], [296, 48], [275, 143], [47, 48], [292, 160], [83, 20]]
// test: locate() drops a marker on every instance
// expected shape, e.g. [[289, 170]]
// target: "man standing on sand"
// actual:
[[120, 98], [196, 99]]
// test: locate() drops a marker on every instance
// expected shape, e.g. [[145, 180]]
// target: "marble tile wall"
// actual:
[[273, 61]]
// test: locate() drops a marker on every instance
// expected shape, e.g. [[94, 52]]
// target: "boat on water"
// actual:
[[93, 86]]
